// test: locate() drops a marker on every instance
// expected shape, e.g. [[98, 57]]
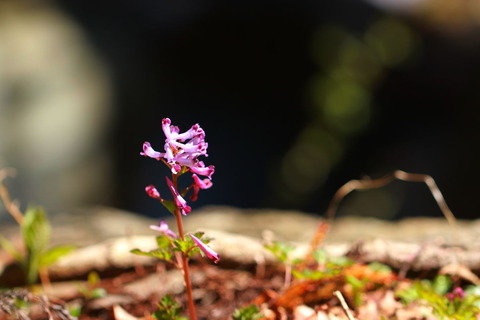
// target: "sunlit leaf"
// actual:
[[442, 284], [165, 255], [168, 309], [36, 230], [280, 250], [55, 253], [170, 205], [93, 278], [251, 312], [163, 242]]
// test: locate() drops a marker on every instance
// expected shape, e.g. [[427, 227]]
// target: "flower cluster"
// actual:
[[181, 153], [457, 293], [182, 149]]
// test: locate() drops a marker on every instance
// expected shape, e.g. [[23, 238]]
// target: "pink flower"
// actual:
[[181, 149], [148, 151], [153, 192], [200, 168], [457, 293], [212, 255], [177, 197], [163, 228], [199, 184]]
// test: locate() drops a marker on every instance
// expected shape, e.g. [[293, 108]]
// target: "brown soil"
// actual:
[[218, 291]]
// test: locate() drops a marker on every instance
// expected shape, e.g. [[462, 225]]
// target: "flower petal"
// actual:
[[181, 149], [153, 192], [163, 228], [202, 170], [202, 184], [148, 151], [179, 200], [212, 255], [199, 184]]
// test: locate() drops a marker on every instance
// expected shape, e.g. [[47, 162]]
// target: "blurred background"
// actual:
[[296, 98]]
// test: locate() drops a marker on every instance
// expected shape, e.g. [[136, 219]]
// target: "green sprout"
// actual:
[[168, 309], [330, 266], [35, 229], [91, 290], [251, 312], [37, 256], [281, 251], [446, 301]]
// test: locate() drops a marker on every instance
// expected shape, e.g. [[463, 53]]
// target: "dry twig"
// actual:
[[344, 305], [10, 206], [368, 183]]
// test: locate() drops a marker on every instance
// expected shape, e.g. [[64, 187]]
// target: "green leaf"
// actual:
[[93, 278], [168, 309], [199, 235], [341, 261], [53, 254], [354, 282], [188, 246], [308, 274], [280, 250], [408, 295], [251, 312], [170, 205], [380, 267], [75, 311], [442, 284], [36, 236], [184, 245], [98, 293], [315, 274], [141, 253], [36, 230], [163, 242], [162, 254], [320, 255]]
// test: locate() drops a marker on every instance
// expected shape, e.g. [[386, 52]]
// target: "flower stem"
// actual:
[[186, 272], [188, 284]]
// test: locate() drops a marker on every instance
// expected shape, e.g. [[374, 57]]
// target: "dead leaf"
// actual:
[[120, 314], [462, 271]]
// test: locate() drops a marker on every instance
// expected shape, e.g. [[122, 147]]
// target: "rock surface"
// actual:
[[106, 236]]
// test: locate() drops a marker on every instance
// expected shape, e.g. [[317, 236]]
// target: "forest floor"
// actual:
[[409, 269], [369, 289]]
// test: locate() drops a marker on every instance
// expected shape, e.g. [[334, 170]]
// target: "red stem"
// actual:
[[186, 272]]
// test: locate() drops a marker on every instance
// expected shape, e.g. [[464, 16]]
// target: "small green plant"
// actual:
[[91, 290], [281, 251], [360, 285], [37, 256], [327, 266], [168, 309], [446, 302], [251, 312], [35, 229]]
